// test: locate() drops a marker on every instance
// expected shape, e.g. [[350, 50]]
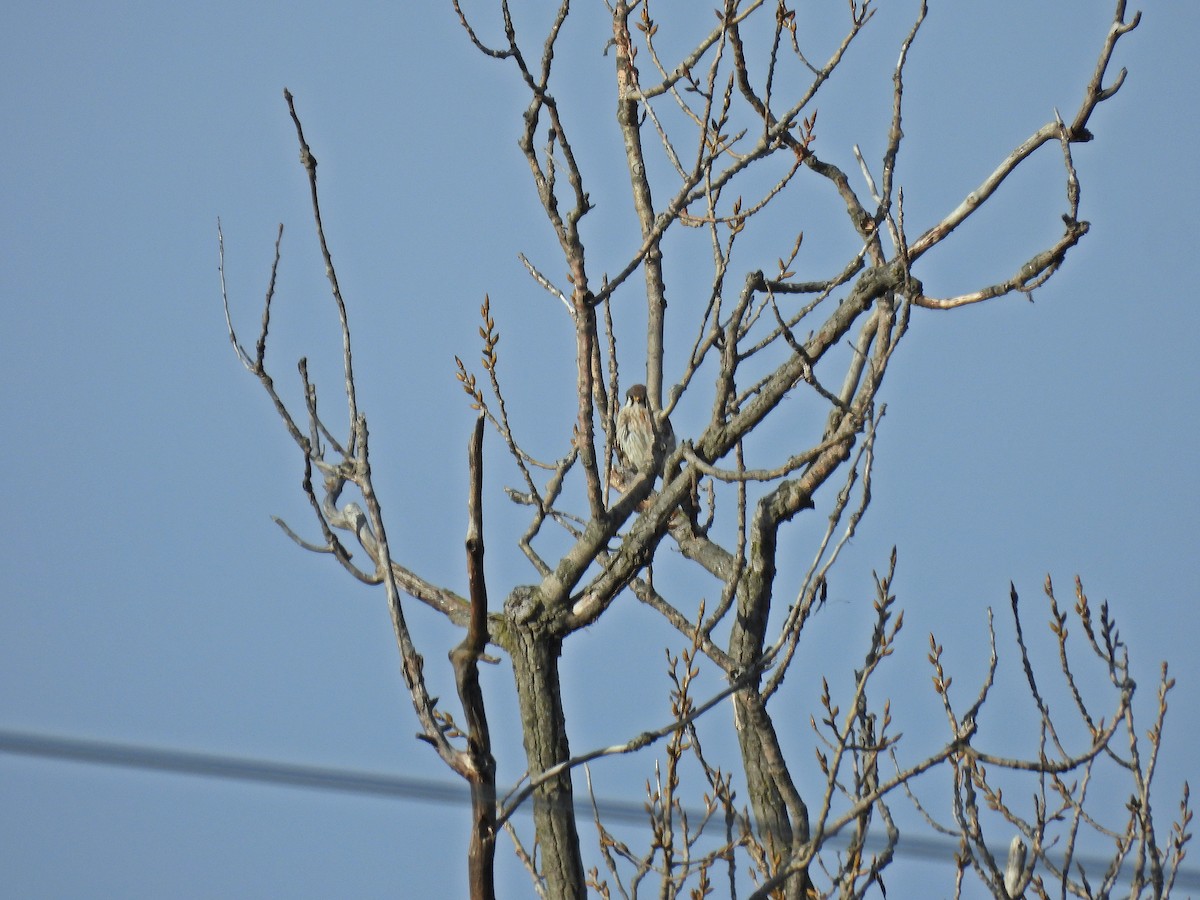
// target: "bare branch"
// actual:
[[480, 766], [791, 385]]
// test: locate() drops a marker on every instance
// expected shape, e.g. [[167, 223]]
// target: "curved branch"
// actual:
[[1094, 96]]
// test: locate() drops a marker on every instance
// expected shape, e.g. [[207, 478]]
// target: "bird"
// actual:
[[643, 442]]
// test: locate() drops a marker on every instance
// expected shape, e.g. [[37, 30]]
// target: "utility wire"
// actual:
[[375, 784]]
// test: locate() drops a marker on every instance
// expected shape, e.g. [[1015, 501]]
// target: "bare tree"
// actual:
[[715, 139]]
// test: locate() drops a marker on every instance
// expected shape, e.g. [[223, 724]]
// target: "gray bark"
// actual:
[[535, 647]]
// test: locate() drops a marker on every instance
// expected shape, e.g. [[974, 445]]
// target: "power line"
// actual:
[[376, 784], [185, 762]]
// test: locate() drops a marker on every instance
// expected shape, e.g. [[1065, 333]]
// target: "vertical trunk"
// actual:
[[756, 740], [534, 651], [772, 792]]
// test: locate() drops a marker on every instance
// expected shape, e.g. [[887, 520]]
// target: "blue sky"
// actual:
[[147, 598]]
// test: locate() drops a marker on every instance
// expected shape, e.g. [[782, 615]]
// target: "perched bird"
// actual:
[[642, 443]]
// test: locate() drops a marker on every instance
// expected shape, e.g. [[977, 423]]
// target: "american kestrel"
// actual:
[[642, 446]]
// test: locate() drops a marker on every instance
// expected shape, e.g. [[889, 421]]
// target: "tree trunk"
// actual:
[[534, 649], [770, 788], [772, 793]]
